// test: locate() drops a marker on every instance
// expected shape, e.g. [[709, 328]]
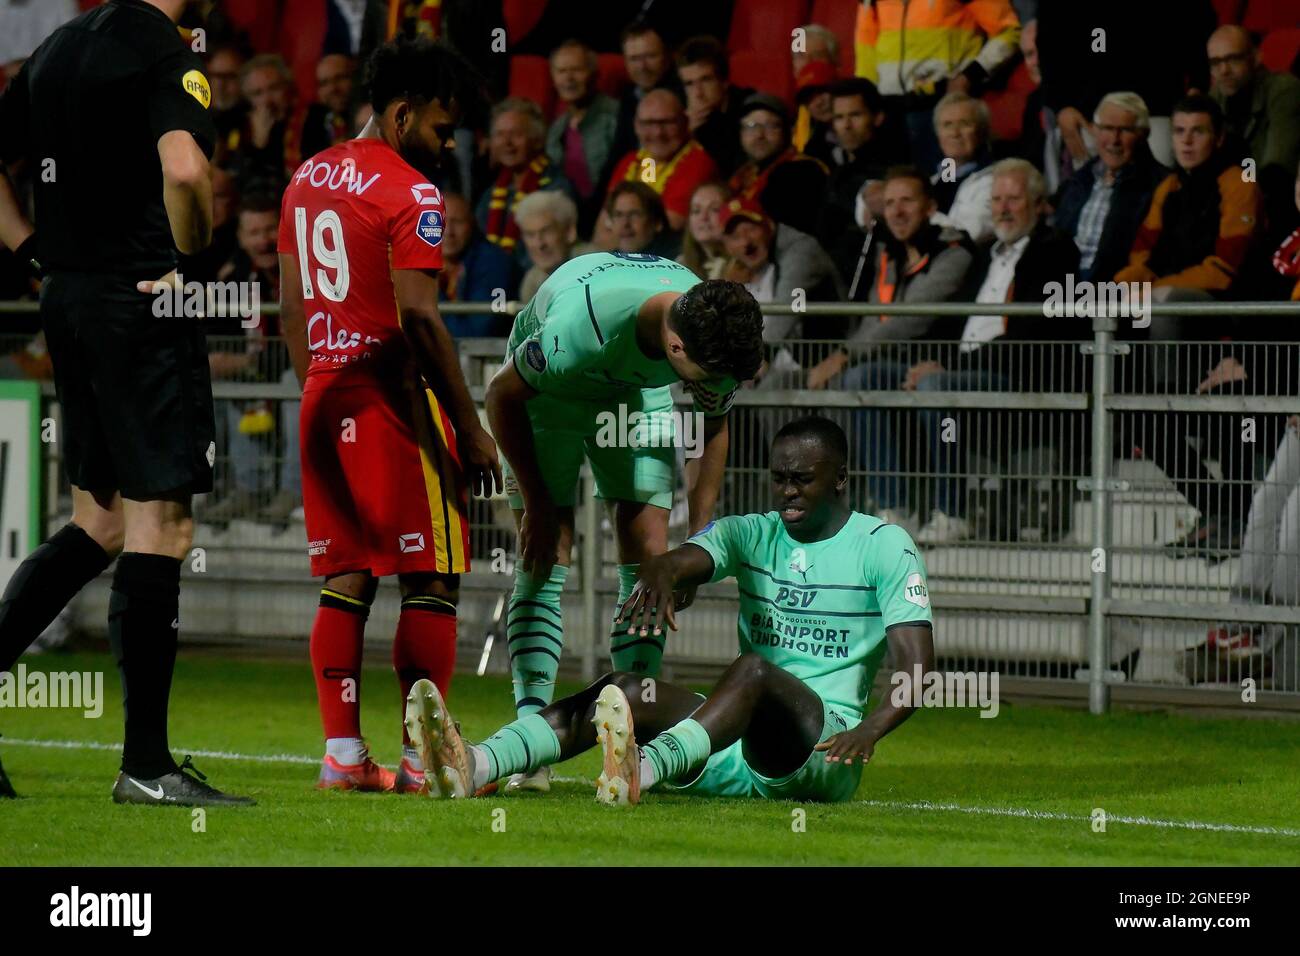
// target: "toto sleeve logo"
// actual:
[[915, 591]]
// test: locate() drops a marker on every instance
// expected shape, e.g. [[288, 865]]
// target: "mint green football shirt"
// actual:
[[820, 610], [576, 339]]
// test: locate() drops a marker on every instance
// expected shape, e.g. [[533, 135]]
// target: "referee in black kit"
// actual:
[[111, 111]]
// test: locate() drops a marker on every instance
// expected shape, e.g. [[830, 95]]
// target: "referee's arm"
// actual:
[[185, 136], [187, 191]]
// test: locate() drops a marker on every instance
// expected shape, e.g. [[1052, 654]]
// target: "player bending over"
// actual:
[[822, 590], [601, 341], [389, 433]]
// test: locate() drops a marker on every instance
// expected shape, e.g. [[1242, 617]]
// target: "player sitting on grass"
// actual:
[[602, 340], [823, 591]]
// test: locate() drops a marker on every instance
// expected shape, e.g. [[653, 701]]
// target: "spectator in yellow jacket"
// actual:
[[916, 52]]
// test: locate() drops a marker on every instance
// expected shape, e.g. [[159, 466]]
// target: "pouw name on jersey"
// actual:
[[324, 175]]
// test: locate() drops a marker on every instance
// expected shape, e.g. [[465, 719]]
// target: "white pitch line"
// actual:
[[214, 754], [1020, 812], [1028, 814]]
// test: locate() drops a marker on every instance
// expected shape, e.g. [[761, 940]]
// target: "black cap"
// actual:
[[765, 101]]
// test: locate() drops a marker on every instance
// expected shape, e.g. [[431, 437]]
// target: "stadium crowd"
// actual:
[[874, 152]]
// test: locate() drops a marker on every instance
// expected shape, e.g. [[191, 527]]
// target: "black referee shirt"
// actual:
[[87, 111]]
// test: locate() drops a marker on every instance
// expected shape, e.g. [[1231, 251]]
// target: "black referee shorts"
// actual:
[[135, 390]]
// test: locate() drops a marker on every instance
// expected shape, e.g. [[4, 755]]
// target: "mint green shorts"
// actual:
[[629, 464], [727, 774]]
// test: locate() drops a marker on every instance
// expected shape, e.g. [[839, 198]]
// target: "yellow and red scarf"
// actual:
[[502, 230], [662, 173]]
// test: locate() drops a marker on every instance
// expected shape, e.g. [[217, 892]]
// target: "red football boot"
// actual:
[[366, 776]]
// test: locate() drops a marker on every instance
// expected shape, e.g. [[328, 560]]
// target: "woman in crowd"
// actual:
[[702, 250]]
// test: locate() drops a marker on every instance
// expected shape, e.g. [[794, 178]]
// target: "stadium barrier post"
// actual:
[[1103, 348]]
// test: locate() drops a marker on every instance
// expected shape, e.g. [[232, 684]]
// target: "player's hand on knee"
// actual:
[[845, 747], [647, 610], [482, 464], [652, 600]]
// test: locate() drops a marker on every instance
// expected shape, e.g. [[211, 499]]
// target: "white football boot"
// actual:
[[435, 735], [539, 781], [620, 781]]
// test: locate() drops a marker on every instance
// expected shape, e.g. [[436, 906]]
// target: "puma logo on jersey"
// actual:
[[799, 563]]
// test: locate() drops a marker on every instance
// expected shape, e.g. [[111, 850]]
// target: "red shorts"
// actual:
[[382, 485]]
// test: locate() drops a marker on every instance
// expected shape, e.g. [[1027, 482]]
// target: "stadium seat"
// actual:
[[841, 19], [521, 16], [770, 73], [1263, 15], [256, 18], [1229, 11], [763, 29], [1280, 49], [612, 74], [302, 38], [530, 77], [1007, 105]]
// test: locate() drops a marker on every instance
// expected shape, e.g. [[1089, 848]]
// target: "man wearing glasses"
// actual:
[[668, 160], [1261, 109], [774, 173], [1102, 204]]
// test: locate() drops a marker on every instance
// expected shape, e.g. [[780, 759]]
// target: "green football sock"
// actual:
[[632, 652], [676, 751], [518, 747], [535, 633]]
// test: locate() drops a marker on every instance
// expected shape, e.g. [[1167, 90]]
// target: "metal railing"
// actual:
[[1075, 463]]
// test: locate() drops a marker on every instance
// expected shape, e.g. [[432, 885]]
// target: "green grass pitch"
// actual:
[[947, 788]]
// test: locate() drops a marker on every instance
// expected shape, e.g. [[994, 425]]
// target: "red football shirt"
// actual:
[[350, 215], [675, 181]]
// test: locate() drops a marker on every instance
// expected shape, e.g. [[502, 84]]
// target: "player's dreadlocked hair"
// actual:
[[422, 70], [721, 327], [821, 429]]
